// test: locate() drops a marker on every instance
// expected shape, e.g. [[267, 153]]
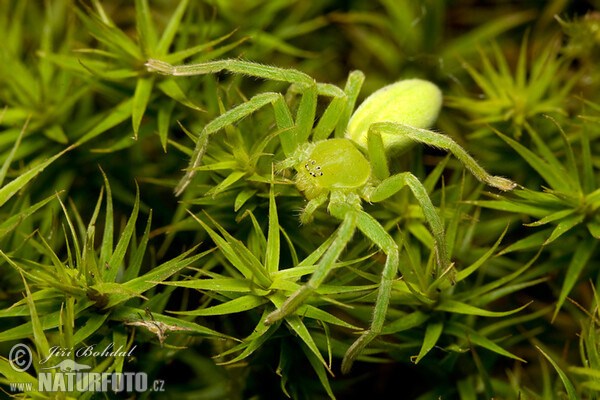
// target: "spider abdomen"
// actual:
[[334, 164], [412, 102]]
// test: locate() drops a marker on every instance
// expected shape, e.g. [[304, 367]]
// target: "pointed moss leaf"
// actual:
[[339, 289], [259, 234], [267, 40], [432, 334], [15, 220], [552, 217], [237, 254], [56, 133], [564, 226], [106, 32], [308, 311], [462, 331], [242, 197], [255, 340], [298, 326], [149, 280], [273, 239], [555, 178], [82, 267], [180, 55], [145, 27], [172, 28], [217, 285], [226, 183], [406, 322], [478, 291], [107, 237], [580, 259], [163, 122], [468, 43], [250, 346], [217, 166], [133, 269], [594, 373], [593, 227], [143, 90], [108, 120], [172, 89], [91, 325], [462, 274], [571, 392], [9, 374], [320, 370], [118, 255], [535, 240], [9, 190], [41, 341], [457, 307], [119, 340], [11, 155], [505, 205], [58, 265], [240, 304]]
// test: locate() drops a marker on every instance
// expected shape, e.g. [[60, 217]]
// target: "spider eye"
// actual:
[[412, 102]]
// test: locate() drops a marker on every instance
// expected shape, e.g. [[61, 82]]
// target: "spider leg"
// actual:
[[352, 89], [392, 185], [342, 237], [378, 235], [301, 82], [311, 207], [377, 156], [337, 114], [283, 119], [444, 142], [232, 65], [247, 68]]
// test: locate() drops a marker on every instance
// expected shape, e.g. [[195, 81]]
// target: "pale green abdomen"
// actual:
[[412, 102]]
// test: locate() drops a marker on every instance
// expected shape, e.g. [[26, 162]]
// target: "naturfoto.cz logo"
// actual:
[[68, 375]]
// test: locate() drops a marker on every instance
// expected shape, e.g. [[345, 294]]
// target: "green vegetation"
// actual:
[[172, 211]]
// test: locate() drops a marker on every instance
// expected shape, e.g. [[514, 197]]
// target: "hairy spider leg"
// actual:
[[372, 229], [247, 68], [352, 217], [352, 89], [232, 65], [438, 140], [342, 237], [339, 111], [311, 207], [292, 135], [283, 119], [395, 183]]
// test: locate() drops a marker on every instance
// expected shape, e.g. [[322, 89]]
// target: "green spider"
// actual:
[[347, 169]]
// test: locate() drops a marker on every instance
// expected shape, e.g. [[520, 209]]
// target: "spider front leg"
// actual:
[[283, 118], [438, 140], [294, 132], [246, 68]]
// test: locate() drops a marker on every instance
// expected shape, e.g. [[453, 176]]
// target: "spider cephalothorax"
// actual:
[[333, 164], [392, 118]]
